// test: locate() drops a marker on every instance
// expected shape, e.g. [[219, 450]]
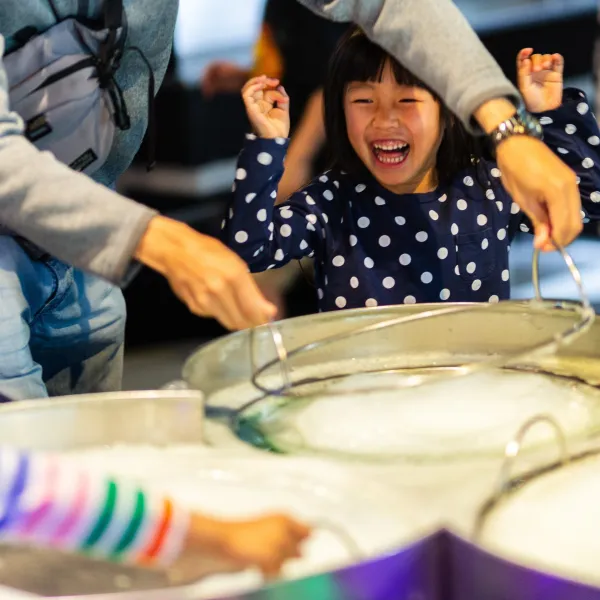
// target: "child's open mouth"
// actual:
[[390, 153]]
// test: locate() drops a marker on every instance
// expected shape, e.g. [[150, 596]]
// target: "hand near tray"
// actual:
[[215, 546]]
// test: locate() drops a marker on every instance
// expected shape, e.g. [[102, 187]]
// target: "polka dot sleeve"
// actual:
[[572, 133], [48, 501], [263, 235]]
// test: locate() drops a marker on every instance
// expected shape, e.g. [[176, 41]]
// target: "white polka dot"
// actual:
[[271, 227], [445, 294], [354, 282], [421, 236], [323, 233], [515, 208], [546, 121], [434, 215], [570, 129], [231, 213], [328, 195], [340, 302], [353, 240], [505, 275], [369, 263], [241, 237], [240, 174], [594, 140], [279, 255], [309, 200], [524, 228], [405, 260], [457, 270], [224, 222], [371, 303], [361, 187], [442, 253], [489, 194], [320, 294], [389, 283], [468, 181], [270, 267], [310, 227], [326, 280], [577, 180], [443, 198], [379, 201], [481, 220], [587, 163], [285, 230], [250, 197], [250, 136], [494, 299], [337, 184], [484, 244], [501, 234], [595, 196], [264, 158], [496, 172], [500, 206], [257, 252], [582, 108], [338, 261], [363, 222], [286, 213], [280, 141], [303, 245], [274, 194], [311, 219], [461, 204], [400, 220], [454, 229], [562, 151], [325, 218], [583, 215], [384, 241], [410, 300], [476, 285], [426, 277], [323, 179], [471, 267]]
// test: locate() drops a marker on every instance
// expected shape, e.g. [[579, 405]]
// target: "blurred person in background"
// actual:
[[282, 52]]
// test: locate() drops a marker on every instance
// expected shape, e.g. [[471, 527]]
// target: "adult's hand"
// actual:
[[208, 277], [222, 77], [539, 182]]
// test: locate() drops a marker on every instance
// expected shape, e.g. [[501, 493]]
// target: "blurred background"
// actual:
[[201, 123]]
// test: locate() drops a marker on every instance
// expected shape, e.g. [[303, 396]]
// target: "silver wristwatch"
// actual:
[[521, 123]]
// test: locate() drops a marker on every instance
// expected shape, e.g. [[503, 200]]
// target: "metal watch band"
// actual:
[[521, 123]]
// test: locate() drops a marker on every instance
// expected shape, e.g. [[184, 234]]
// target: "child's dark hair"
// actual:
[[356, 58]]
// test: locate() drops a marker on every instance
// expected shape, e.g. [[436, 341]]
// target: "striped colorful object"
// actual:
[[48, 501]]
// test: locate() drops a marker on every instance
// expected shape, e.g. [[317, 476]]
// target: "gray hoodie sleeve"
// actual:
[[61, 211], [434, 41]]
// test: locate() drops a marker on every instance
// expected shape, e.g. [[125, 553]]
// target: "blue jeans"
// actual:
[[61, 330]]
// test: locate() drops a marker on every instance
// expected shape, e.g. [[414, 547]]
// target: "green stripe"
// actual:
[[133, 527], [105, 517]]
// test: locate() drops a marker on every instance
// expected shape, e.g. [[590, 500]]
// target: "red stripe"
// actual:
[[155, 544]]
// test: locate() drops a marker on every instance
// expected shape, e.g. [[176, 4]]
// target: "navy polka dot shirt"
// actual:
[[373, 247]]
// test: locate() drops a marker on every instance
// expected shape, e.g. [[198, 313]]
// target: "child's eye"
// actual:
[[408, 100], [362, 101]]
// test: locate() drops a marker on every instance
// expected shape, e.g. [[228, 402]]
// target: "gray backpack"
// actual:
[[62, 84]]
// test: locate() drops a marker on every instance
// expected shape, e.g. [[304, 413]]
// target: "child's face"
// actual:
[[396, 131]]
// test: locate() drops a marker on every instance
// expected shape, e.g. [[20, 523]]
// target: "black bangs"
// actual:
[[356, 58]]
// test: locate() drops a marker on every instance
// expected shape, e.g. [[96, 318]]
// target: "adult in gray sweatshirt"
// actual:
[[85, 224]]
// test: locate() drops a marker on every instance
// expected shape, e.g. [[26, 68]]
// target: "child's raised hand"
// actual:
[[540, 79], [268, 107]]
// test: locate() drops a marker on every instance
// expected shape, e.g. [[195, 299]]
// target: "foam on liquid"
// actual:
[[464, 415]]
